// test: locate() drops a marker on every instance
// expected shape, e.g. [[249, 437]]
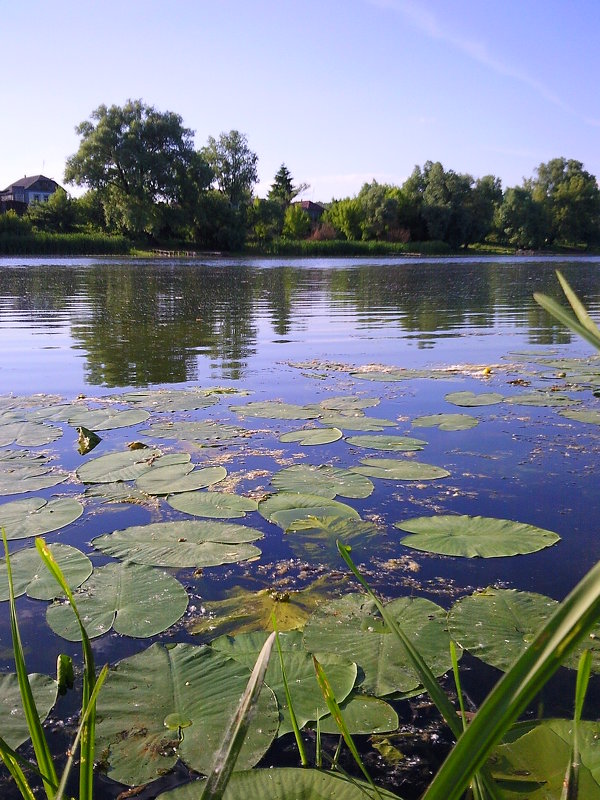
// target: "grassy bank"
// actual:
[[63, 244], [343, 247]]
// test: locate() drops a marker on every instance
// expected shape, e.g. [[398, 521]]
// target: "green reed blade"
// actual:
[[571, 782], [34, 726], [235, 734], [11, 760], [567, 627], [578, 307], [559, 313], [288, 698]]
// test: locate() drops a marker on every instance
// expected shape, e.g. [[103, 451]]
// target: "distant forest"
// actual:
[[147, 185]]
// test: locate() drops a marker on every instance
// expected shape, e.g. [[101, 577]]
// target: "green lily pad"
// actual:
[[284, 508], [21, 458], [186, 543], [178, 478], [471, 400], [484, 537], [244, 610], [590, 415], [286, 783], [169, 400], [532, 764], [394, 469], [134, 599], [27, 478], [118, 493], [28, 434], [323, 481], [35, 516], [196, 683], [363, 714], [393, 375], [312, 436], [352, 625], [30, 574], [107, 419], [216, 505], [315, 537], [355, 423], [204, 434], [446, 422], [273, 409], [540, 398], [125, 466], [12, 717], [348, 403], [307, 697], [387, 442]]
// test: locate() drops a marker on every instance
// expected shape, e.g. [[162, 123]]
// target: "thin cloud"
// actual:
[[423, 19]]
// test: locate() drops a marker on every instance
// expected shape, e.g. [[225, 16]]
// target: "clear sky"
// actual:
[[342, 91]]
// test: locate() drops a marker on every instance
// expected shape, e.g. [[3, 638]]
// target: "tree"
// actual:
[[520, 219], [57, 215], [282, 189], [346, 216], [233, 165], [296, 223], [137, 157]]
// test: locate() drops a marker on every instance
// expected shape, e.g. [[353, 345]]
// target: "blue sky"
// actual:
[[342, 91]]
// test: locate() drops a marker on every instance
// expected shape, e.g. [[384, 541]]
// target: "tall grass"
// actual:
[[63, 244], [343, 247]]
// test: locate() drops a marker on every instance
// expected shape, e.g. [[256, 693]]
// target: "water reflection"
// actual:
[[138, 322]]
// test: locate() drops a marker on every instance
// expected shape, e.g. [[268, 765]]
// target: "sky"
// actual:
[[341, 91]]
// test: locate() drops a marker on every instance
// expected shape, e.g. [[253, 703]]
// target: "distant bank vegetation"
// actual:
[[147, 186]]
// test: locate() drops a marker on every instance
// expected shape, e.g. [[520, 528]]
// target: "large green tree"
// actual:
[[233, 164], [139, 159], [282, 189]]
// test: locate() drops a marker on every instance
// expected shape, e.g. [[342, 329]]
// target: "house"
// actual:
[[36, 188], [314, 210]]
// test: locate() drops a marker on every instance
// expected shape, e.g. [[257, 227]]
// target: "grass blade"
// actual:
[[288, 698], [86, 761], [11, 760], [336, 713], [578, 307], [236, 731], [455, 672], [571, 783], [559, 313], [569, 624], [36, 732]]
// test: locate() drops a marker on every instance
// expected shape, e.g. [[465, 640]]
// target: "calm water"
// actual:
[[96, 326]]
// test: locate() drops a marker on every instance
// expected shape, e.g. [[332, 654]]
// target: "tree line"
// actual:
[[145, 180]]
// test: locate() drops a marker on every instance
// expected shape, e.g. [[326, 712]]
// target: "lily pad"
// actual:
[[286, 783], [590, 415], [169, 400], [484, 537], [394, 469], [392, 375], [216, 505], [12, 717], [355, 423], [387, 442], [35, 516], [175, 478], [186, 543], [204, 434], [312, 436], [124, 466], [351, 627], [307, 697], [540, 398], [323, 481], [284, 508], [244, 610], [196, 683], [107, 419], [24, 478], [315, 537], [470, 399], [446, 422], [134, 599], [348, 403], [30, 574], [363, 714], [117, 493], [28, 434], [273, 409]]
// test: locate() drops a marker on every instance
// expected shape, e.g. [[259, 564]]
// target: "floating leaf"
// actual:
[[162, 480], [12, 717], [28, 434], [134, 599], [485, 537], [284, 508], [362, 714], [284, 784], [30, 575], [205, 434], [35, 516], [446, 422], [348, 403], [470, 399], [125, 466], [107, 419], [394, 469], [590, 415], [315, 537], [273, 409], [323, 481], [117, 493], [307, 698], [244, 610], [355, 423], [312, 436], [86, 440], [393, 375], [387, 442], [217, 505], [353, 628], [196, 683], [185, 543], [21, 479], [170, 400], [541, 399]]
